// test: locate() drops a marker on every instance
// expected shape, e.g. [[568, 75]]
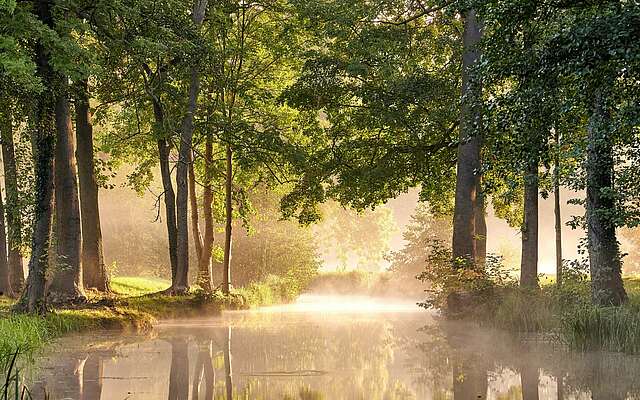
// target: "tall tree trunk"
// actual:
[[66, 285], [226, 263], [464, 225], [164, 150], [181, 283], [604, 255], [204, 245], [529, 258], [93, 268], [205, 268], [5, 283], [33, 296], [14, 223], [195, 218], [557, 211]]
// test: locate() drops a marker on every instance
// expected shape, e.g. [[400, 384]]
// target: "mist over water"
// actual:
[[328, 347]]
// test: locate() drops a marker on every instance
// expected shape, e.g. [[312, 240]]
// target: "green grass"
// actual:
[[137, 286], [568, 315], [132, 306]]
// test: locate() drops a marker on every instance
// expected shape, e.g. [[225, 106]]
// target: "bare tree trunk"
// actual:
[[33, 296], [604, 255], [14, 223], [464, 225], [181, 283], [195, 218], [226, 264], [66, 285], [529, 258], [557, 211], [204, 245], [164, 150], [5, 283], [204, 267], [93, 268]]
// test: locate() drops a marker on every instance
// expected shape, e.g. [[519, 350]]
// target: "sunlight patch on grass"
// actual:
[[137, 286]]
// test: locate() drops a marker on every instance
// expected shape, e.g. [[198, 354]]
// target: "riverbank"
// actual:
[[132, 307], [564, 314]]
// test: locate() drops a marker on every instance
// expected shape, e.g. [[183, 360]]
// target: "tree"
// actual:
[[469, 166], [94, 271], [382, 90], [181, 283], [33, 297], [66, 284], [5, 281], [12, 205]]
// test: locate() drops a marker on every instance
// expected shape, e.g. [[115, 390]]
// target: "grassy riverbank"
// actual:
[[131, 307], [567, 315]]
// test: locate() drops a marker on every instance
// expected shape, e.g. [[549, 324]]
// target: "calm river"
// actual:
[[327, 347]]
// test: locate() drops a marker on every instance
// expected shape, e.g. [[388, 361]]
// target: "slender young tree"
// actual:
[[5, 282], [226, 263], [94, 271], [556, 208], [203, 243], [181, 282]]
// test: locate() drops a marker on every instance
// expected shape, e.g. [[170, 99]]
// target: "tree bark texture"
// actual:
[[604, 255], [5, 282], [464, 220], [12, 206], [529, 257], [164, 151], [93, 268], [33, 296], [66, 284]]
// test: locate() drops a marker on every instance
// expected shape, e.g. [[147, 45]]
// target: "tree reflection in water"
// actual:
[[312, 357]]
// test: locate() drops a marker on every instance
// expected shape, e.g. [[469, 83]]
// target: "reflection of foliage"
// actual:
[[423, 229], [361, 238]]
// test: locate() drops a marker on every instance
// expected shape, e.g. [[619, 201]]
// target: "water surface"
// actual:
[[328, 347]]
